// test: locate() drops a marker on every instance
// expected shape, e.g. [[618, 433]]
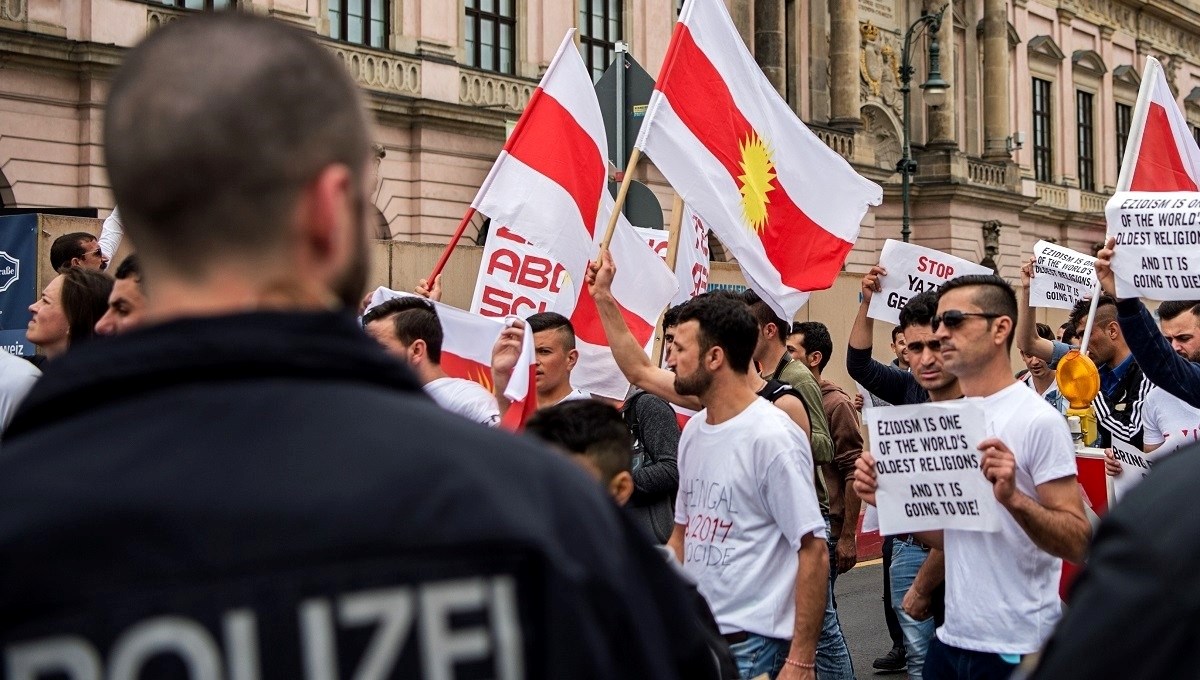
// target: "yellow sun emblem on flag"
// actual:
[[757, 172], [482, 377]]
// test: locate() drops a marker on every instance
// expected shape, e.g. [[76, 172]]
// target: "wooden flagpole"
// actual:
[[625, 181]]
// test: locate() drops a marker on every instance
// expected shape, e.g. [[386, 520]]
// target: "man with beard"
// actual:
[[915, 570], [285, 502], [747, 524]]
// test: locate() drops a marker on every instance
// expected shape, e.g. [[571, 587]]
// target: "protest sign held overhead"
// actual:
[[786, 205], [928, 467], [1158, 244], [913, 269], [1135, 467], [1061, 276]]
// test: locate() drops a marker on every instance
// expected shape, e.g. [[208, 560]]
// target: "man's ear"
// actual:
[[326, 216], [572, 357], [621, 487], [1002, 327], [814, 359], [418, 350]]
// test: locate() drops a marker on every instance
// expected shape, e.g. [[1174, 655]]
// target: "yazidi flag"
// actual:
[[1161, 154], [467, 342], [783, 202], [549, 190]]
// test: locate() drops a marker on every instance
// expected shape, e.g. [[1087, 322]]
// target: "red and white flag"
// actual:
[[1161, 154], [549, 189], [467, 342], [783, 202], [691, 254]]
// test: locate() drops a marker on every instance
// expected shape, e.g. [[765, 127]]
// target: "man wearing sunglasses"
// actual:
[[1001, 587]]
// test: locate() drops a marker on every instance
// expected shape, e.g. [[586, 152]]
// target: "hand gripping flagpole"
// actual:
[[620, 204]]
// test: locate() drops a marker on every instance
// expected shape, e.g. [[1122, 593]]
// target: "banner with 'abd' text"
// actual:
[[517, 278]]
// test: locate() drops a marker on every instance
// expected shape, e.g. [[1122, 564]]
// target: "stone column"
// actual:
[[942, 120], [742, 12], [770, 42], [844, 46], [995, 80]]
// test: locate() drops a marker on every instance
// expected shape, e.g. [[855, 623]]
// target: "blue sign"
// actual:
[[18, 280]]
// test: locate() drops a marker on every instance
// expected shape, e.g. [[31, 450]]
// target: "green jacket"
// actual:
[[799, 377]]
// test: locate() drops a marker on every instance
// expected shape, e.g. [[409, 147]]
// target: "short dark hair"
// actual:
[[130, 268], [586, 427], [993, 294], [726, 323], [1079, 313], [1173, 308], [215, 124], [1044, 331], [84, 300], [552, 321], [1068, 334], [896, 330], [413, 318], [919, 310], [671, 316], [68, 247], [764, 315], [816, 339]]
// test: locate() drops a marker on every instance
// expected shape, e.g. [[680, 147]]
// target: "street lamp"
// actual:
[[935, 95]]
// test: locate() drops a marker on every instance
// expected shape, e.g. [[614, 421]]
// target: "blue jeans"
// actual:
[[759, 654], [944, 662], [907, 559], [833, 655]]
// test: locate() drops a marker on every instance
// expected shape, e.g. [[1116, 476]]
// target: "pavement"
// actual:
[[859, 594]]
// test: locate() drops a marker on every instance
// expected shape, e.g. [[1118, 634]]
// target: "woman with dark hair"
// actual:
[[67, 312]]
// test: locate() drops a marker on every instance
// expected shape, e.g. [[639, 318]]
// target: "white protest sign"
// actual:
[[517, 278], [1158, 244], [691, 257], [927, 462], [913, 269], [1134, 468], [1061, 276]]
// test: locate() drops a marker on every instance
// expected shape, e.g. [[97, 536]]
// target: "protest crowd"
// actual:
[[310, 477]]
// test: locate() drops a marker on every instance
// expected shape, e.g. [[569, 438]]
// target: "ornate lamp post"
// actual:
[[935, 95]]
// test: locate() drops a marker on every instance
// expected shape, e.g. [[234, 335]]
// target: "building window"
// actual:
[[362, 22], [599, 30], [200, 4], [1124, 120], [491, 30], [1043, 170], [1085, 133]]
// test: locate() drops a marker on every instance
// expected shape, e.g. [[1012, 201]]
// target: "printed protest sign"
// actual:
[[911, 270], [1134, 468], [517, 278], [1061, 276], [692, 256], [1158, 244], [927, 461]]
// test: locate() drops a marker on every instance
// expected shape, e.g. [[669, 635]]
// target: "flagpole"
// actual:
[[441, 263], [616, 213], [673, 230]]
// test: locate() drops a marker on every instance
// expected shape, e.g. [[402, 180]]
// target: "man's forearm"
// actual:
[[812, 582], [853, 505], [932, 572], [631, 357], [1058, 532], [1027, 338], [862, 333], [933, 539], [1153, 353]]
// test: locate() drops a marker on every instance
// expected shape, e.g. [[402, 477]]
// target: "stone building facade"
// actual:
[[1026, 146]]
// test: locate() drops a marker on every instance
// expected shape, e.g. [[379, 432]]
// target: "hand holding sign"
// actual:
[[1159, 238], [1134, 468], [1060, 276], [927, 469], [912, 269]]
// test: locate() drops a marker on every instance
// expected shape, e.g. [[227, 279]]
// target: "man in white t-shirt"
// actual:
[[747, 525], [1001, 587], [1170, 422], [409, 329]]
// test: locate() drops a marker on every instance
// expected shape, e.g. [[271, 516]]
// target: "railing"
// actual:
[[383, 72], [1091, 202], [839, 141], [1052, 196], [985, 173], [478, 88]]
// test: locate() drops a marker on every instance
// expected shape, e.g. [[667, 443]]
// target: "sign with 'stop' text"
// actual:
[[1158, 244], [1135, 467], [1061, 276], [928, 466], [911, 270]]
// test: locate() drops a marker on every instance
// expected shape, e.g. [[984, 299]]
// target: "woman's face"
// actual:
[[48, 326]]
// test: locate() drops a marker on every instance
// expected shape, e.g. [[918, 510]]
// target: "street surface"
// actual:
[[859, 595]]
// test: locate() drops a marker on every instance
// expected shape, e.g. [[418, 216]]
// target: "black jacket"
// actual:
[[272, 492]]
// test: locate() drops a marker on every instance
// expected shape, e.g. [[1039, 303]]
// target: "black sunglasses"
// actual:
[[953, 318]]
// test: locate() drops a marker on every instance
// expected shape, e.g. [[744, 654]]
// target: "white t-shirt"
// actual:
[[467, 398], [1001, 589], [574, 395], [746, 498], [17, 377], [1169, 421]]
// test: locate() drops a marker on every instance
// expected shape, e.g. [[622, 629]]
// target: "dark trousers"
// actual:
[[889, 614], [943, 662]]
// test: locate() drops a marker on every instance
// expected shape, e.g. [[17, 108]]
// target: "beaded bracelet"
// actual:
[[800, 664]]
